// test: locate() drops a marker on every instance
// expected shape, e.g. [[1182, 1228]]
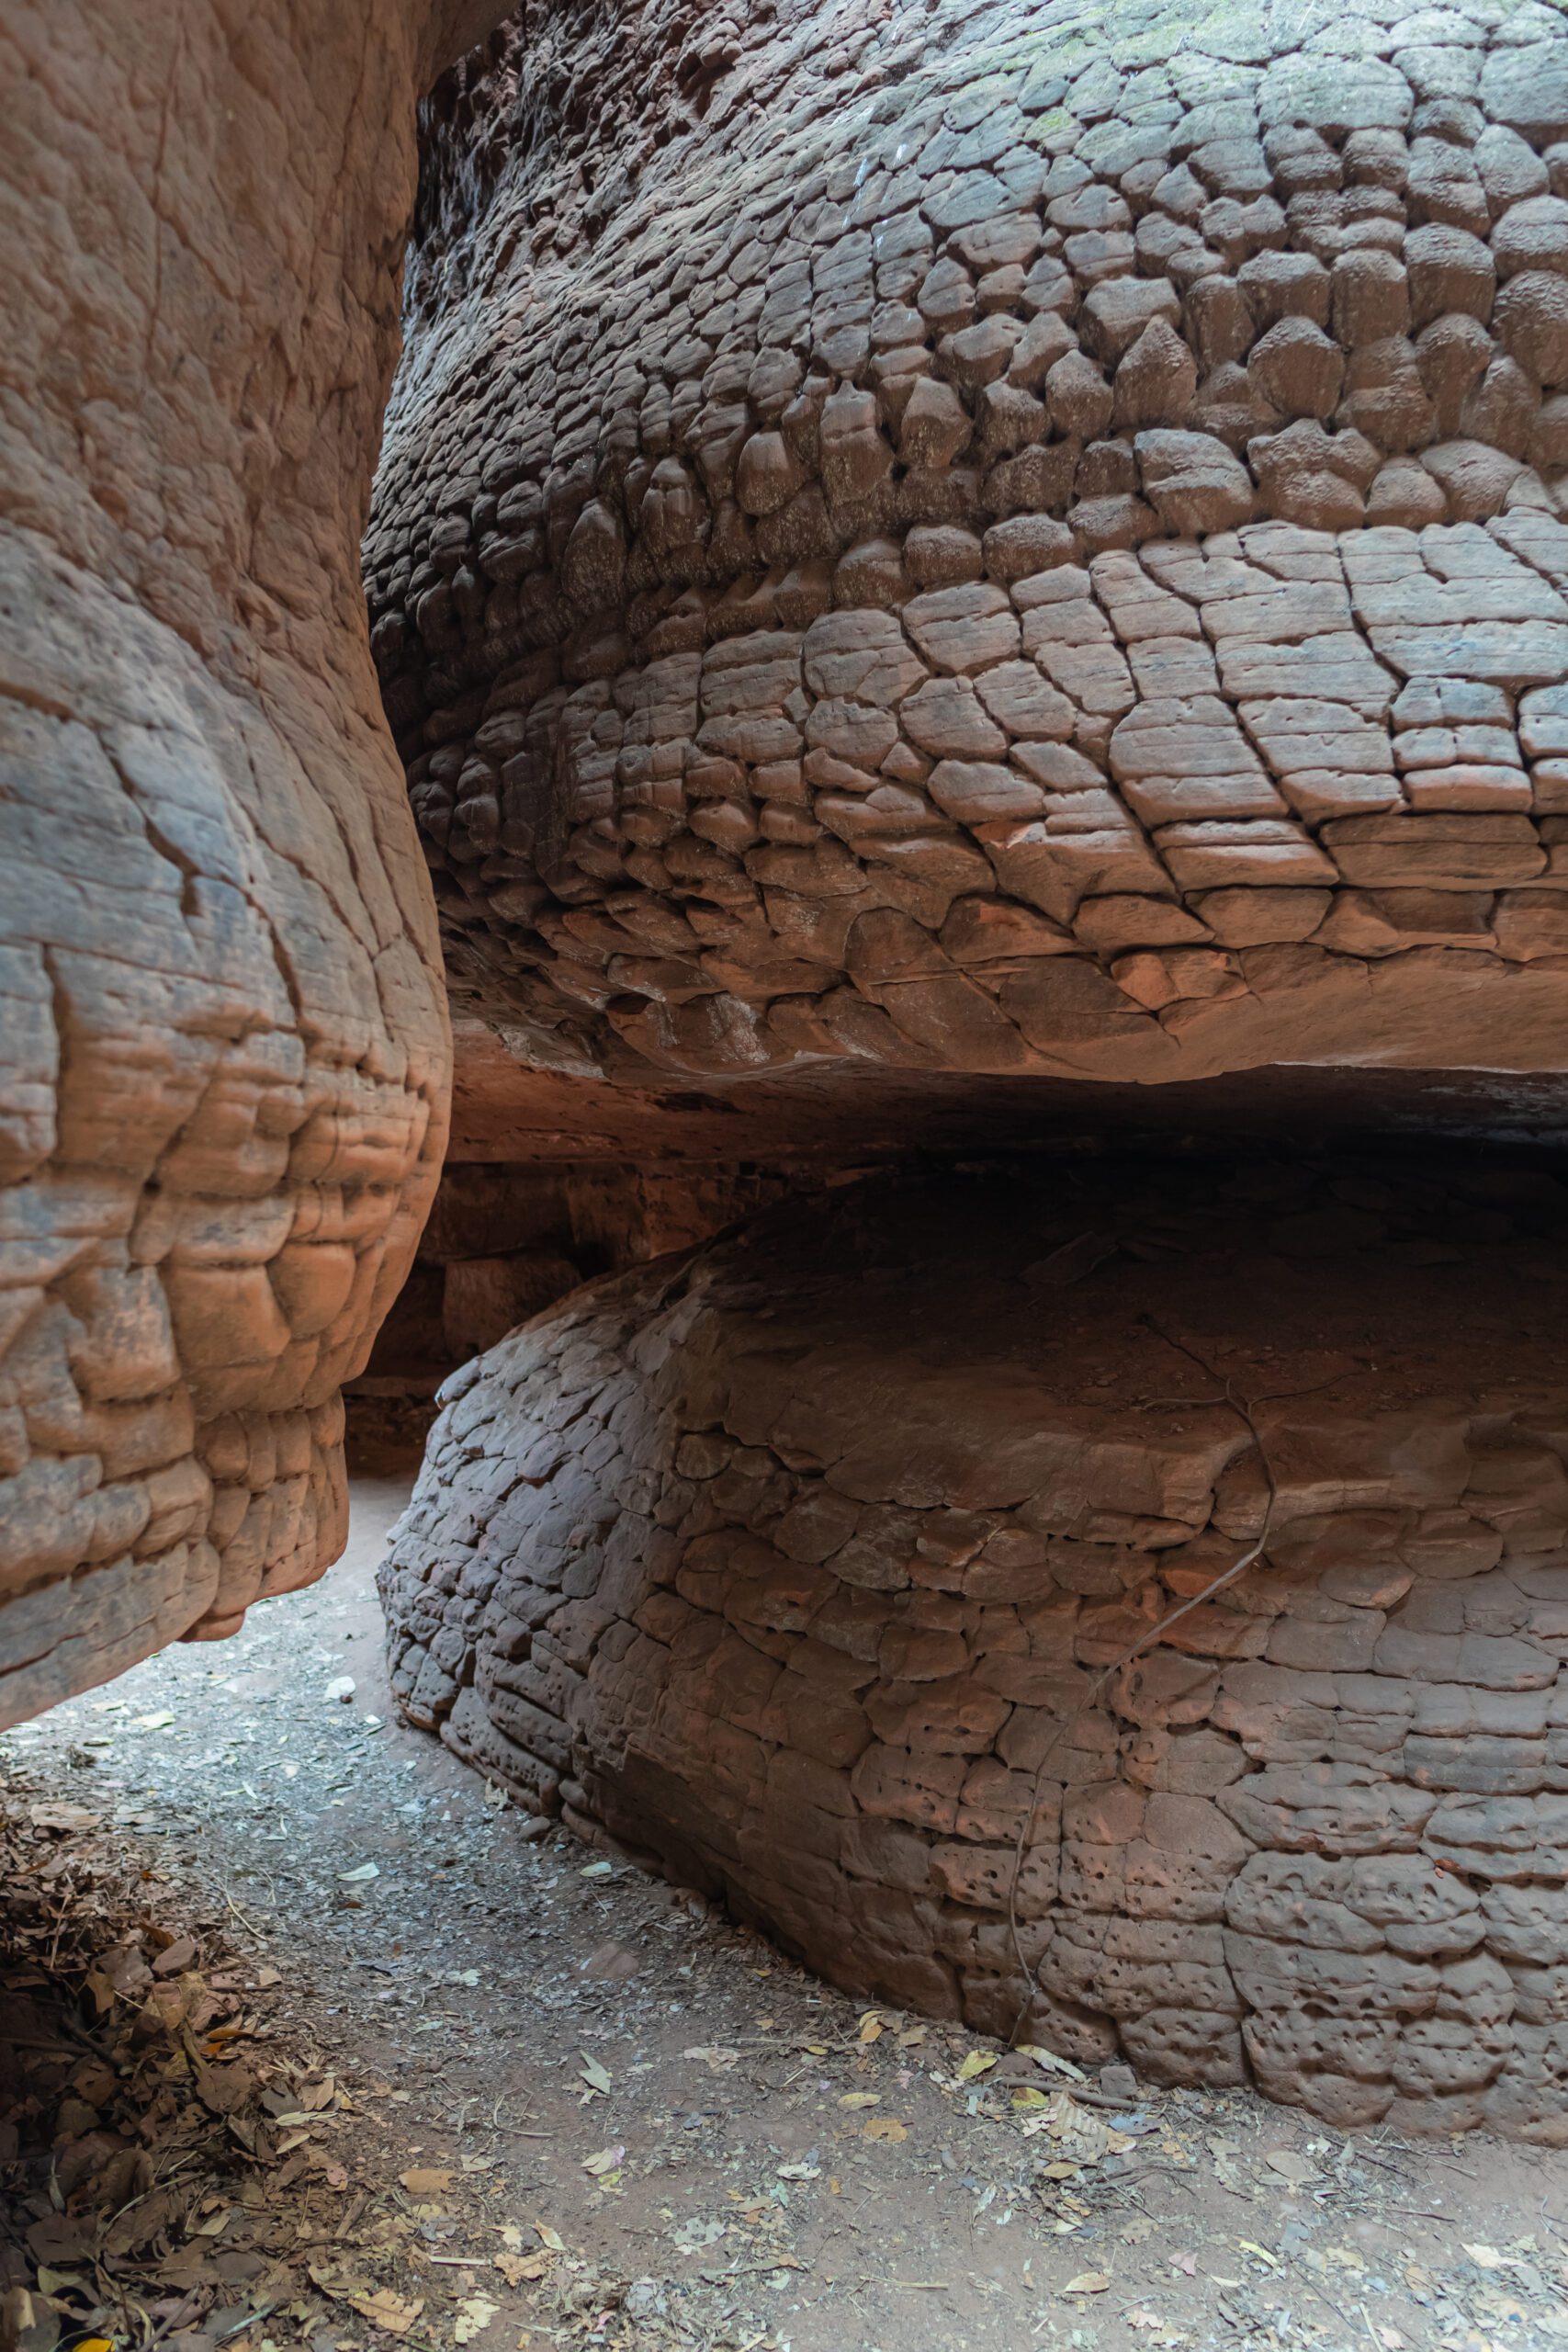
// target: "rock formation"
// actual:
[[224, 1048], [954, 569], [938, 570], [1129, 1608], [1001, 540], [501, 1242]]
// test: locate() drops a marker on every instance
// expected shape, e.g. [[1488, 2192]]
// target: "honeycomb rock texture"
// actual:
[[833, 1565], [223, 1040], [997, 538]]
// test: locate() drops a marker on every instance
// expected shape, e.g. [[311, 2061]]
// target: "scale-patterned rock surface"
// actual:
[[1126, 1603], [994, 540], [223, 1041]]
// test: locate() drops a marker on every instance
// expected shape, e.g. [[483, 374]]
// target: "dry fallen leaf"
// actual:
[[1087, 2282], [426, 2180], [860, 2098], [380, 2306], [871, 2025], [883, 2127], [604, 2162], [549, 2237], [474, 2315], [1296, 2169], [1082, 2137], [1051, 2063], [358, 1877], [1486, 2257], [595, 2076], [516, 2267], [979, 2061], [61, 1817], [386, 2310]]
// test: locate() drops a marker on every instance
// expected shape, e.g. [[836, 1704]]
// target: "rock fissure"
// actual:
[[1247, 1557]]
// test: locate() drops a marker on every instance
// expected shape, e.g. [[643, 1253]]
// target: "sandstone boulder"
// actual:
[[1129, 1607]]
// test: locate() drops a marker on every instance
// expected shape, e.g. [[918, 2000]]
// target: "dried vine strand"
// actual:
[[1238, 1566]]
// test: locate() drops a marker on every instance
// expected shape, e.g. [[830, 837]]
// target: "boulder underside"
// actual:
[[834, 1567], [1012, 541]]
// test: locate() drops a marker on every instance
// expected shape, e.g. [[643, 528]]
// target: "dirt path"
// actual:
[[641, 2128]]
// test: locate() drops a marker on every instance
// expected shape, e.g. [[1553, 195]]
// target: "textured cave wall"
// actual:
[[223, 1036], [504, 1240], [945, 574], [1003, 539], [834, 1568]]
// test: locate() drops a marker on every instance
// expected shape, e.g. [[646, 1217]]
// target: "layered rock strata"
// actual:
[[1003, 540], [877, 1568], [223, 1043]]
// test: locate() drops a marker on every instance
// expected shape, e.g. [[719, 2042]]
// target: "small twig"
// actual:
[[1326, 2301], [248, 2320], [250, 1925], [1238, 1566], [352, 2215]]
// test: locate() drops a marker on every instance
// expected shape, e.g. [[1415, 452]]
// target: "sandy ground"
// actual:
[[588, 2112]]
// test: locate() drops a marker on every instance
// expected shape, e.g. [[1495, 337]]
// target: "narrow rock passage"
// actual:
[[663, 2133]]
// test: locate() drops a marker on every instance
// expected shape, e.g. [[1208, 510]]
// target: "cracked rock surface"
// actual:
[[833, 1565], [997, 539], [223, 1041]]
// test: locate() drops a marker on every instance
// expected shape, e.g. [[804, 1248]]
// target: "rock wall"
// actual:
[[503, 1241], [1126, 1602], [223, 1039], [1003, 539]]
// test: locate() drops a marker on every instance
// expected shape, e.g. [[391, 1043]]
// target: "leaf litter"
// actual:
[[764, 2177]]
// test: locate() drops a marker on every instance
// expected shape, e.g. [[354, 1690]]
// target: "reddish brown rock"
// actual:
[[910, 504], [1132, 1612], [223, 1050], [924, 585]]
